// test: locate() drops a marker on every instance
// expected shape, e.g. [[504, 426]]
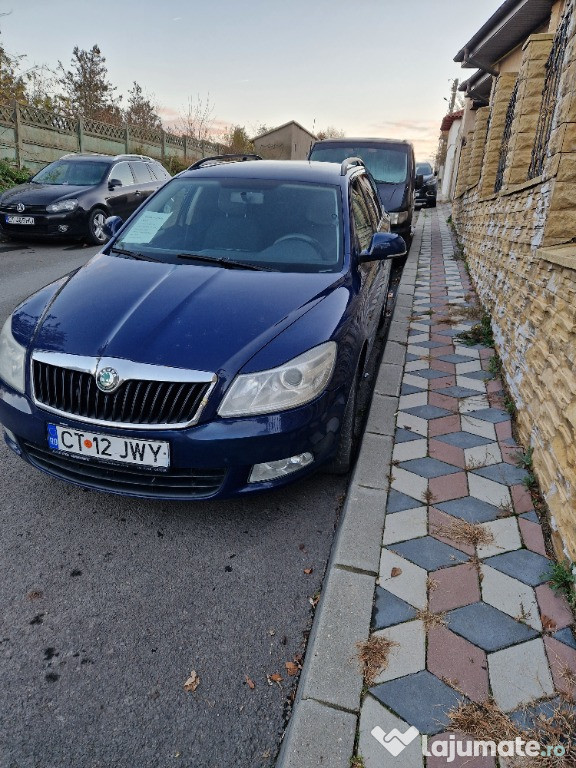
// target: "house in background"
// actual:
[[290, 141], [449, 154]]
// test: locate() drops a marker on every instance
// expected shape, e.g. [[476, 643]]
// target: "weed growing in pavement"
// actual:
[[481, 333], [530, 481], [562, 580], [524, 458], [357, 762], [430, 619], [495, 366]]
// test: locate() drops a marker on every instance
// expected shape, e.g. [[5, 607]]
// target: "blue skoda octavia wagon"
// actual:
[[214, 346]]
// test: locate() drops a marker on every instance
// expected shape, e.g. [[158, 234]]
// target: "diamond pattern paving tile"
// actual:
[[429, 553], [420, 699], [408, 654], [429, 344], [398, 501], [504, 473], [458, 662], [520, 674], [526, 717], [453, 587], [565, 636], [510, 596], [454, 358], [493, 415], [405, 436], [390, 609], [505, 537], [464, 440], [408, 524], [428, 467], [432, 374], [403, 578], [480, 375], [457, 392], [487, 627], [427, 412], [374, 715], [562, 661], [470, 509], [532, 536], [523, 565], [409, 389]]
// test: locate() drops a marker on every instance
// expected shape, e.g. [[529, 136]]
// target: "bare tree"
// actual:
[[330, 133], [197, 120]]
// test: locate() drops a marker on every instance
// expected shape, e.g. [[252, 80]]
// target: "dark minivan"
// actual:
[[391, 163]]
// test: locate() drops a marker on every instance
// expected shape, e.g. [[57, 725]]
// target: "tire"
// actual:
[[348, 440], [96, 221]]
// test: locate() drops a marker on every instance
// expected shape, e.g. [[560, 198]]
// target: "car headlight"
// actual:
[[62, 205], [12, 357], [398, 218], [296, 382]]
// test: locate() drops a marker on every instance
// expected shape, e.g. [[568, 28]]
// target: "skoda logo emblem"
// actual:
[[20, 207], [107, 379]]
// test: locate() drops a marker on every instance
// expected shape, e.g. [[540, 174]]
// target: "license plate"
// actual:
[[19, 219], [125, 450]]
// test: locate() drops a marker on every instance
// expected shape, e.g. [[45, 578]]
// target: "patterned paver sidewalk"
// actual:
[[467, 605]]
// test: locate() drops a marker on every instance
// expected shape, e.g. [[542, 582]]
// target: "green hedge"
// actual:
[[10, 175]]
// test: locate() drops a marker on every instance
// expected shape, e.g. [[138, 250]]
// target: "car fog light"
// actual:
[[11, 440], [63, 228], [272, 469]]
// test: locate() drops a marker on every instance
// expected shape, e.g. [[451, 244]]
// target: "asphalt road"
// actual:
[[108, 604]]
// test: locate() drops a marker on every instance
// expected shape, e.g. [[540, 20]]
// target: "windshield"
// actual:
[[287, 226], [424, 169], [84, 173], [387, 164]]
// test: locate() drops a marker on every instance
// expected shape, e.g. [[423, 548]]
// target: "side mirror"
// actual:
[[113, 183], [384, 245], [419, 181], [112, 225], [435, 173]]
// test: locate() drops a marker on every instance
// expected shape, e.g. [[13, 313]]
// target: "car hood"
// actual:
[[186, 316], [39, 194], [392, 195]]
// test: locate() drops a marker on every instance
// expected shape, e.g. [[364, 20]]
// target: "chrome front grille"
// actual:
[[136, 402]]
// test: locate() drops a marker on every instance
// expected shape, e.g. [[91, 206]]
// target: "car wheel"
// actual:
[[349, 434], [96, 234]]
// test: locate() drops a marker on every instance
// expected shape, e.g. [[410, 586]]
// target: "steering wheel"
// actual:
[[304, 239]]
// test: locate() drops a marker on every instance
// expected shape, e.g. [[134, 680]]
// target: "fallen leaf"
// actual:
[[275, 678], [308, 571], [193, 682], [395, 572], [302, 547], [548, 624], [251, 684], [291, 668]]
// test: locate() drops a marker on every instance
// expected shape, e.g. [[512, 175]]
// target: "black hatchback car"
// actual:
[[73, 196]]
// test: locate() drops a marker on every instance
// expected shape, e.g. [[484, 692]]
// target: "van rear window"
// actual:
[[387, 164]]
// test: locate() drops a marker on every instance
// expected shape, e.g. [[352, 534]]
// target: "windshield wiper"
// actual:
[[229, 263], [132, 254]]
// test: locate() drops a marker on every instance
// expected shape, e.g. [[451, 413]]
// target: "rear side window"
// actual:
[[371, 201], [141, 173], [159, 171]]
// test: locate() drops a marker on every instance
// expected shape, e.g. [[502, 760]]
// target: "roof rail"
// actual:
[[133, 157], [112, 157], [350, 162], [218, 159]]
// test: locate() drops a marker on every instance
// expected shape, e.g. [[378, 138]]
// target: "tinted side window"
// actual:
[[122, 171], [361, 216], [159, 171], [141, 172]]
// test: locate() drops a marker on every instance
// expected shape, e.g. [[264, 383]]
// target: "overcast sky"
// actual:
[[368, 67]]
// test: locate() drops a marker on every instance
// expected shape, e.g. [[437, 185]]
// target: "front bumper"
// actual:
[[46, 224], [426, 195], [210, 460]]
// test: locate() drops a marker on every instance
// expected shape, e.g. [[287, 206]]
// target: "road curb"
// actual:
[[323, 725]]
